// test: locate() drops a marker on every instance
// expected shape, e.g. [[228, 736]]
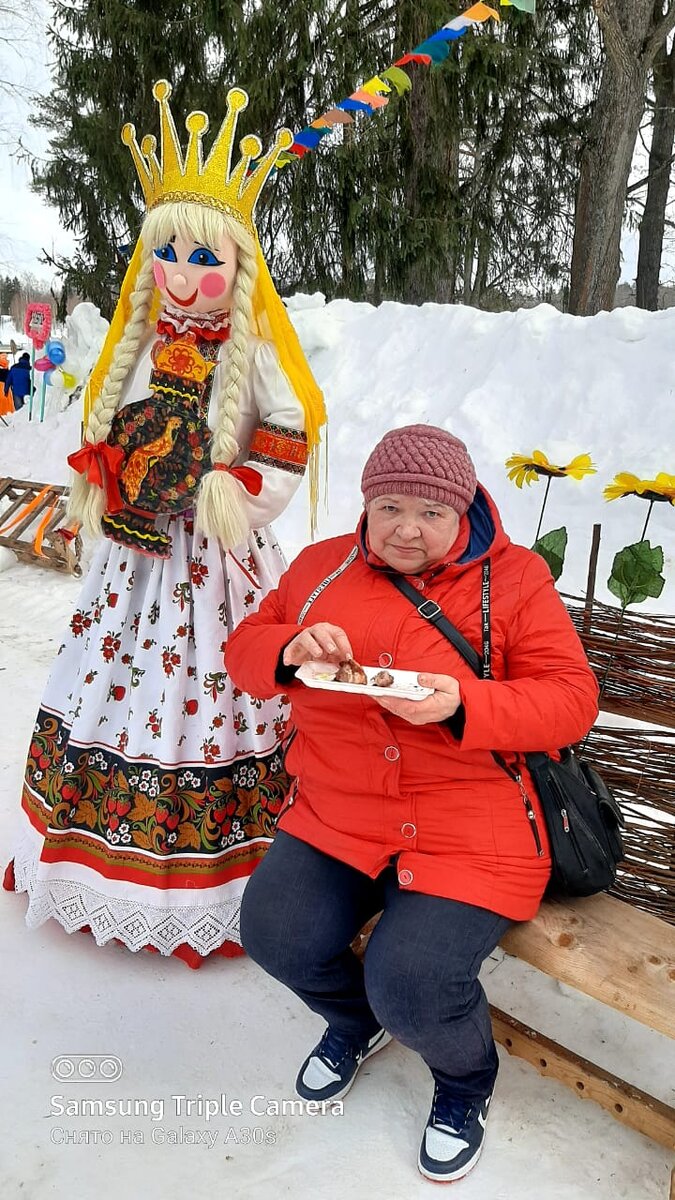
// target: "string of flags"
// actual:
[[374, 94]]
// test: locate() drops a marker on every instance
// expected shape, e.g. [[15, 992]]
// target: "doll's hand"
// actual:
[[322, 641], [444, 702]]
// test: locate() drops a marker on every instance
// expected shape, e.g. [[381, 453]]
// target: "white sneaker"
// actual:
[[453, 1138], [330, 1070]]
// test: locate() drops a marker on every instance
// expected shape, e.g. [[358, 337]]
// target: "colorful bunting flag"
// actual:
[[373, 94], [370, 99], [375, 85], [309, 138], [335, 116], [352, 105], [446, 35], [435, 51], [413, 58], [400, 80]]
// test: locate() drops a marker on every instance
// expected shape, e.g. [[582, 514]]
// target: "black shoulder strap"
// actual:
[[481, 667], [434, 613]]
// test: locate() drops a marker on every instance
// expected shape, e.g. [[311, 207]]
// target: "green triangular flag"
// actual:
[[400, 80], [524, 5]]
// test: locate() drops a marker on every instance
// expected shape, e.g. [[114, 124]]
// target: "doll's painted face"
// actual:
[[196, 278]]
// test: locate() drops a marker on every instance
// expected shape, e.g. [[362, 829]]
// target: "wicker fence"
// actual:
[[637, 667]]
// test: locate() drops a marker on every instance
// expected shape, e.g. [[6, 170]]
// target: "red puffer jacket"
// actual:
[[371, 786]]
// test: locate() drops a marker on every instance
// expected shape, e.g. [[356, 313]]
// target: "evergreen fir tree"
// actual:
[[108, 54], [460, 189]]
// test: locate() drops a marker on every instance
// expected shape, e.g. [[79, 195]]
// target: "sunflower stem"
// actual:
[[649, 513], [543, 507]]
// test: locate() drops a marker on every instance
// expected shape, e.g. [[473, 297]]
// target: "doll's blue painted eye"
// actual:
[[167, 253], [204, 258]]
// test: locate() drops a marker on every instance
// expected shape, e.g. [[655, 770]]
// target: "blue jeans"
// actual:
[[302, 909]]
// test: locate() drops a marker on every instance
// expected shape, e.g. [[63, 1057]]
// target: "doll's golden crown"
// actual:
[[172, 177]]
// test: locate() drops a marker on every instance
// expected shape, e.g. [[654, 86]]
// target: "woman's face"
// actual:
[[410, 533], [196, 278]]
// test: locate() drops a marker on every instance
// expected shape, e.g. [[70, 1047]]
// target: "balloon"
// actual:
[[56, 352], [43, 364], [48, 376], [69, 381]]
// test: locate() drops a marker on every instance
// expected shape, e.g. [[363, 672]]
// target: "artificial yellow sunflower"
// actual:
[[527, 469], [661, 489]]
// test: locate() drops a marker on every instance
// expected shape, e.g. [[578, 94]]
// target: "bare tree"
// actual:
[[30, 290], [653, 221], [20, 24], [633, 33]]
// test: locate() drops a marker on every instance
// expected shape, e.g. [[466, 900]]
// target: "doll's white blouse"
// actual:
[[265, 395]]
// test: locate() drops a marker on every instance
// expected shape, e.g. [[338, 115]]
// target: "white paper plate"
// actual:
[[404, 687]]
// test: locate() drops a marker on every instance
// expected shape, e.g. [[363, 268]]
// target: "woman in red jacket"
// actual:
[[399, 805]]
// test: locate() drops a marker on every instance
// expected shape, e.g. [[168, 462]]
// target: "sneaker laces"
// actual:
[[452, 1114], [335, 1047]]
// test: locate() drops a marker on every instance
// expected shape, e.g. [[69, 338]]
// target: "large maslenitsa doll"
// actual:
[[152, 783]]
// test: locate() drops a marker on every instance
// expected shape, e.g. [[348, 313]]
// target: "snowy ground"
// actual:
[[505, 383]]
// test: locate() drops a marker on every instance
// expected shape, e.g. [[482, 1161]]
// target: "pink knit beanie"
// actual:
[[421, 460]]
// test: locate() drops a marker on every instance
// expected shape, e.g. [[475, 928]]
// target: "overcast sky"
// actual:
[[26, 222]]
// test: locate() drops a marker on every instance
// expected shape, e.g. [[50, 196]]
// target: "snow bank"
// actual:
[[509, 382], [504, 382]]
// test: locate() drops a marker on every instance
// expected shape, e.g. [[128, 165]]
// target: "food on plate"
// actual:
[[350, 672], [382, 679]]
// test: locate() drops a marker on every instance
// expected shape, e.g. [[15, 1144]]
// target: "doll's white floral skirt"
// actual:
[[152, 783]]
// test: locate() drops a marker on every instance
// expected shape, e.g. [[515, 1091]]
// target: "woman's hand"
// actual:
[[322, 641], [444, 703]]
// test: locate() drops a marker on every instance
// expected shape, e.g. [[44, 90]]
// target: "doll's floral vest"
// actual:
[[163, 440]]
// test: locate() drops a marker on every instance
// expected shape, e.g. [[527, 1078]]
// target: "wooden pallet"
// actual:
[[30, 516]]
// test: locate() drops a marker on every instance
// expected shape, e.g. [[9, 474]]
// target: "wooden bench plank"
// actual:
[[626, 1103], [607, 949]]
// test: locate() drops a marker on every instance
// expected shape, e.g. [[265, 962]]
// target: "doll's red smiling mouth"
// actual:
[[183, 303]]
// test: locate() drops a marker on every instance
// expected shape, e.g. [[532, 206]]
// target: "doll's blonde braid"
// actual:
[[221, 509], [87, 500]]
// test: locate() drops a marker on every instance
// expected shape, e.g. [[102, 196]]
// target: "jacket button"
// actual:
[[385, 660], [419, 584], [408, 829], [392, 753], [405, 877]]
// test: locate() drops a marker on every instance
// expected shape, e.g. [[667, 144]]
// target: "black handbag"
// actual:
[[582, 816]]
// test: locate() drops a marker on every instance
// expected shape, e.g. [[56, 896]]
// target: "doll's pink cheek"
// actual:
[[159, 273], [212, 284]]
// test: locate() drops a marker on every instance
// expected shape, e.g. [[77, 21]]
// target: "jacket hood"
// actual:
[[481, 533]]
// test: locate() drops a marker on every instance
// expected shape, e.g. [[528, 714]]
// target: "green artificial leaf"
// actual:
[[552, 547], [636, 573]]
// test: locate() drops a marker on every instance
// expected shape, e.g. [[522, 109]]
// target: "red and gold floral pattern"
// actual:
[[94, 807], [165, 439], [277, 446]]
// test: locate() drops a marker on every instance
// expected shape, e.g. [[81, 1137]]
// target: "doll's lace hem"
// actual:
[[136, 925]]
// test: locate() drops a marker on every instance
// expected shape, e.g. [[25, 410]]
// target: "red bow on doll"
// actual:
[[252, 480], [101, 463]]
